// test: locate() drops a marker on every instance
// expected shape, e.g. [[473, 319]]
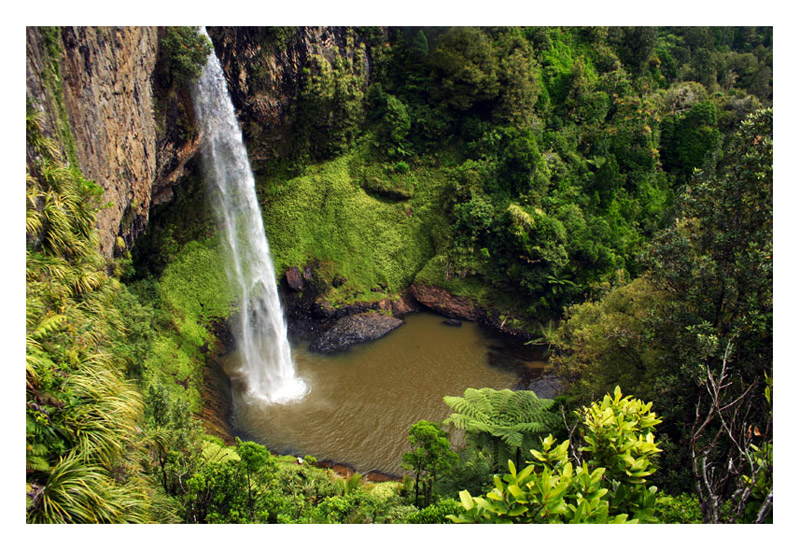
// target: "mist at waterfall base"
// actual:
[[266, 371]]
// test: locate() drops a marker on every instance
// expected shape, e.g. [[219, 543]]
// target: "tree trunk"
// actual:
[[416, 490]]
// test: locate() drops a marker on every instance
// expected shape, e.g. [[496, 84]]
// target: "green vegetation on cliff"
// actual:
[[81, 419], [325, 217], [617, 181], [533, 164]]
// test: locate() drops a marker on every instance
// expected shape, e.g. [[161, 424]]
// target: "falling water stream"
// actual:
[[266, 369]]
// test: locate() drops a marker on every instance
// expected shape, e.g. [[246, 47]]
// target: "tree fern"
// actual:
[[502, 422]]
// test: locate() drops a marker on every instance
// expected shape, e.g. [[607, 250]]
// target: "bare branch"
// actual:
[[766, 507]]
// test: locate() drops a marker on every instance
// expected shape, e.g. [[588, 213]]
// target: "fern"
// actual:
[[502, 422]]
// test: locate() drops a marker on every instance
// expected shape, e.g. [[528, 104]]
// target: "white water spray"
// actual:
[[259, 325]]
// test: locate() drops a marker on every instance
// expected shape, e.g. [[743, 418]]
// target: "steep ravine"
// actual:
[[131, 132], [110, 110]]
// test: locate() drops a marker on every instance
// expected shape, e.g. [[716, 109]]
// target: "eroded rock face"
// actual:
[[102, 89], [446, 304], [351, 330], [109, 99]]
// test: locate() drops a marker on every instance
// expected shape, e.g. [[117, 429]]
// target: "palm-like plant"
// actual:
[[79, 491], [81, 415], [350, 484], [502, 422]]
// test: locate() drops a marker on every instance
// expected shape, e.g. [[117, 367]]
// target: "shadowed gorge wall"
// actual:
[[266, 67]]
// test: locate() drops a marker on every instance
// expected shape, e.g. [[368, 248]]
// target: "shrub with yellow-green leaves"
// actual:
[[620, 436], [608, 486]]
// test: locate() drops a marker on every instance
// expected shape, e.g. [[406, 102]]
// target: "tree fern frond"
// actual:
[[466, 407], [505, 419], [481, 399], [511, 437]]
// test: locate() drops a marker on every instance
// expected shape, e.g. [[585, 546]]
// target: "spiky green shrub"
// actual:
[[81, 414]]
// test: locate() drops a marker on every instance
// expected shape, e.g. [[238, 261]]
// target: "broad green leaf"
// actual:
[[466, 500]]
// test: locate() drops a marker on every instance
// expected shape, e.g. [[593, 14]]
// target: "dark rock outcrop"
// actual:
[[295, 279], [543, 382], [352, 330], [309, 313]]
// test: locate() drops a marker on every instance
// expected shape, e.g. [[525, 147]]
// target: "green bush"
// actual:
[[680, 509], [609, 487], [437, 513], [185, 51]]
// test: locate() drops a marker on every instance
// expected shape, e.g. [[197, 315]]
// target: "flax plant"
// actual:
[[82, 417]]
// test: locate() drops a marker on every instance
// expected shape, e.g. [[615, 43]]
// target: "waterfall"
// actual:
[[258, 325]]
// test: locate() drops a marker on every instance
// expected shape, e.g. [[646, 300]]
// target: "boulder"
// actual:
[[354, 329], [295, 279], [449, 305]]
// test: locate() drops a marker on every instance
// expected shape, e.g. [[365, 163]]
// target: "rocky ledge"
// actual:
[[447, 304], [354, 329], [456, 308]]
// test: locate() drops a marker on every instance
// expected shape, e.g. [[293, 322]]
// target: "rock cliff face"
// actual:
[[104, 103], [264, 69], [95, 86]]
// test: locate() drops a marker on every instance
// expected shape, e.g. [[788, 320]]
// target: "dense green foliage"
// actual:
[[502, 423], [609, 485], [618, 178], [547, 157], [430, 457], [694, 333], [185, 52]]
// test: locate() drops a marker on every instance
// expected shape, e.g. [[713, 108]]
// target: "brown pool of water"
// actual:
[[362, 402]]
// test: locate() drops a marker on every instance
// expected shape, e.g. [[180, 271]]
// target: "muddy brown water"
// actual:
[[362, 402]]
